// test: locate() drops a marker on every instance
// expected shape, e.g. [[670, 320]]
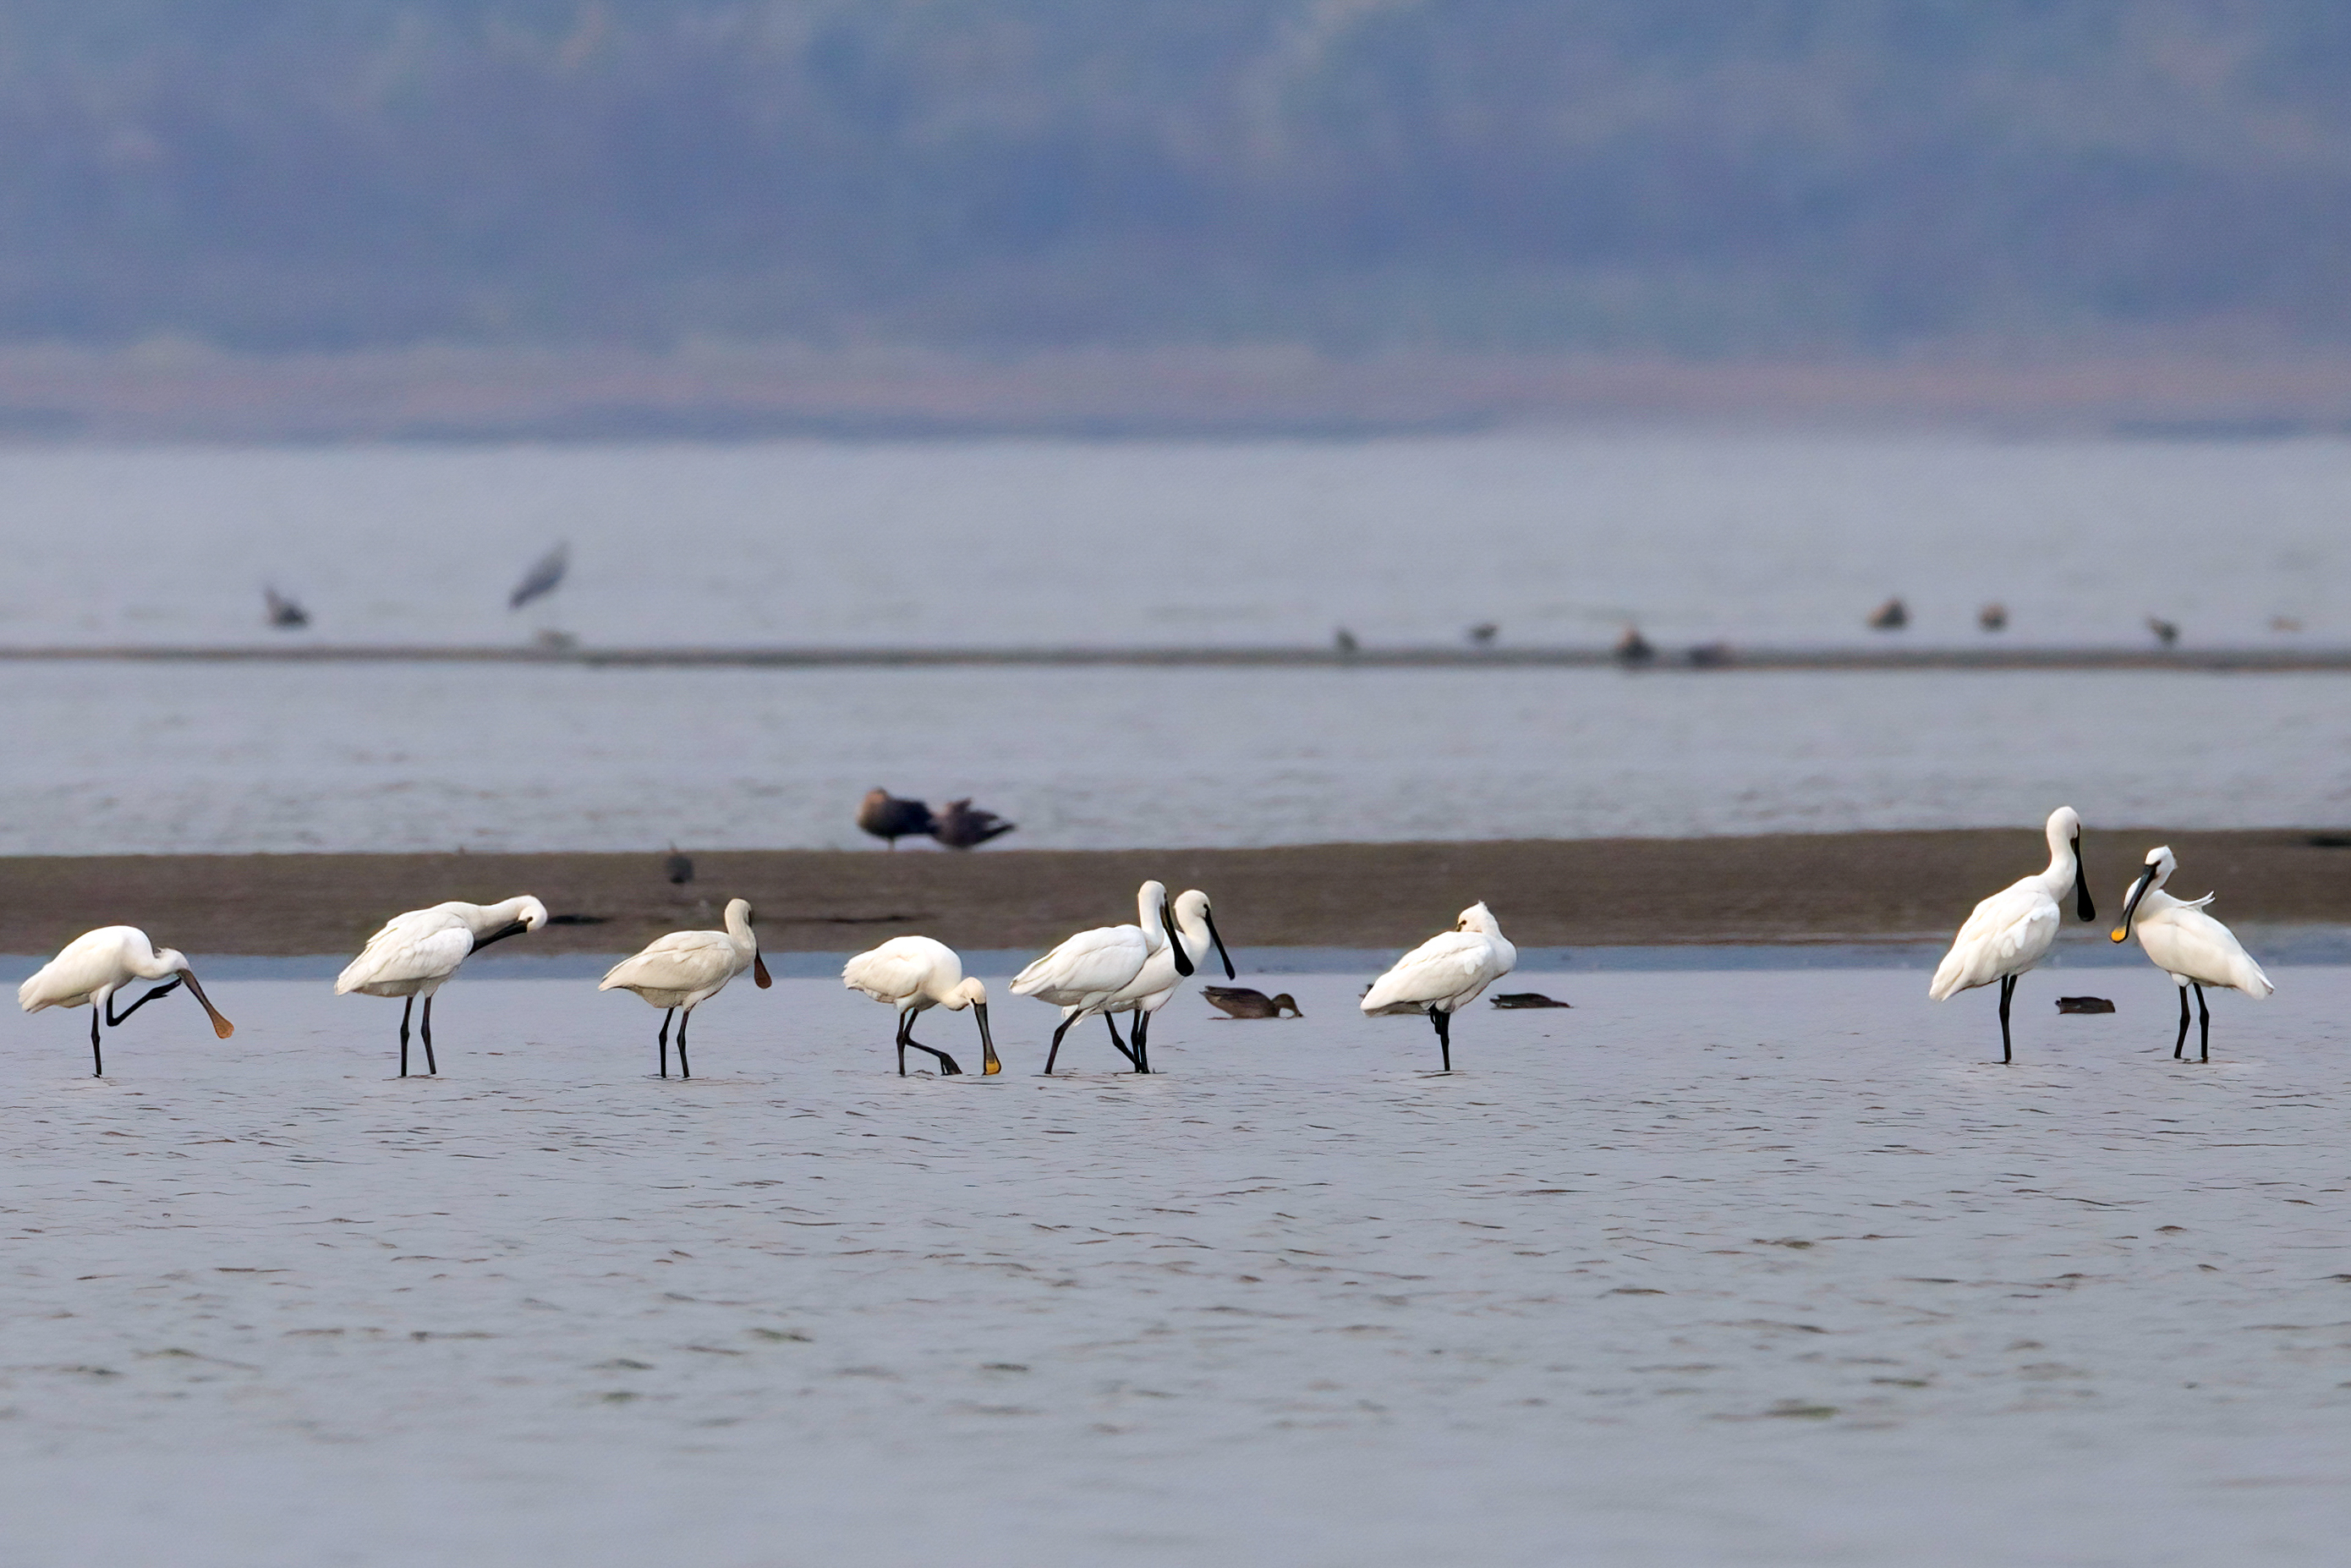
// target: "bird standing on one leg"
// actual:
[[2013, 930], [1444, 973], [2188, 945]]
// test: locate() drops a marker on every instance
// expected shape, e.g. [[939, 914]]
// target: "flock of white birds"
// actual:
[[1132, 969]]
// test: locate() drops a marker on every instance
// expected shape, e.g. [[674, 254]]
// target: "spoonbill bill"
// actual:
[[2188, 945], [96, 964], [1444, 973], [416, 953], [914, 974], [686, 969], [1085, 974], [2014, 930], [1241, 1002], [890, 817], [1155, 982]]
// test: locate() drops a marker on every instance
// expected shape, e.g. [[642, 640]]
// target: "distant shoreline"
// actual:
[[764, 391], [1838, 888]]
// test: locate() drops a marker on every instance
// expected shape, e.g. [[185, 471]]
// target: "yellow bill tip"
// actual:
[[2119, 934]]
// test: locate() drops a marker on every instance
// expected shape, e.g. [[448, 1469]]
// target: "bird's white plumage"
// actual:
[[1156, 983], [1446, 972], [94, 965], [686, 968], [913, 974], [2187, 944], [1088, 970], [416, 952], [2014, 930]]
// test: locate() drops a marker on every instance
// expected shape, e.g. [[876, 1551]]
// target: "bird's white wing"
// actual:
[[2006, 933], [1444, 966], [681, 961], [2186, 941], [406, 949], [887, 974], [1091, 964]]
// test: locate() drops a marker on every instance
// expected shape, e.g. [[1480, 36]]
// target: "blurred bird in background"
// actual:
[[961, 825], [1891, 616], [890, 819], [284, 614], [544, 578]]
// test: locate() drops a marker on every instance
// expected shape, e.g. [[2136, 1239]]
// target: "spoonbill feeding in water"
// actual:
[[2188, 945], [2014, 930], [416, 953], [1155, 982], [96, 964], [1444, 973], [1086, 973], [914, 974], [686, 969]]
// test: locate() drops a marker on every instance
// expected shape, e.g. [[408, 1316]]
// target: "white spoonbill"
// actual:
[[1156, 983], [96, 964], [1444, 973], [686, 969], [2014, 930], [914, 974], [2188, 945], [415, 952], [1085, 972]]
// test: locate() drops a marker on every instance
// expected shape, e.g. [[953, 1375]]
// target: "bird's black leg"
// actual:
[[2203, 1025], [683, 1019], [948, 1066], [97, 1054], [431, 1066], [2007, 994], [2179, 1046], [661, 1039], [1111, 1024], [905, 1028], [1444, 1022], [405, 1009], [1057, 1042], [1138, 1030], [114, 1022]]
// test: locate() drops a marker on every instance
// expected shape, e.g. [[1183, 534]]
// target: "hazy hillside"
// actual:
[[1700, 176]]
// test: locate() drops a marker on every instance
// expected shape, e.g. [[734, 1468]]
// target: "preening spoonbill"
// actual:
[[2188, 945], [686, 969], [1241, 1002], [1444, 973], [96, 964], [2014, 930], [914, 974], [1083, 974], [1155, 982], [890, 819], [416, 952]]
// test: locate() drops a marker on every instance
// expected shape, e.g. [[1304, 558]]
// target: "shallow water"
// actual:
[[1741, 1268], [111, 758], [1559, 538]]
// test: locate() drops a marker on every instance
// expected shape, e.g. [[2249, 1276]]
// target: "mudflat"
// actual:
[[1840, 887]]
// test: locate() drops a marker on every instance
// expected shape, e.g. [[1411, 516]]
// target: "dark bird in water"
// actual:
[[1482, 635], [2166, 631], [1241, 1002], [1992, 618], [888, 818], [678, 868], [284, 614], [1344, 640], [961, 825], [1508, 999], [1891, 616], [2085, 1005], [545, 576], [1633, 648]]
